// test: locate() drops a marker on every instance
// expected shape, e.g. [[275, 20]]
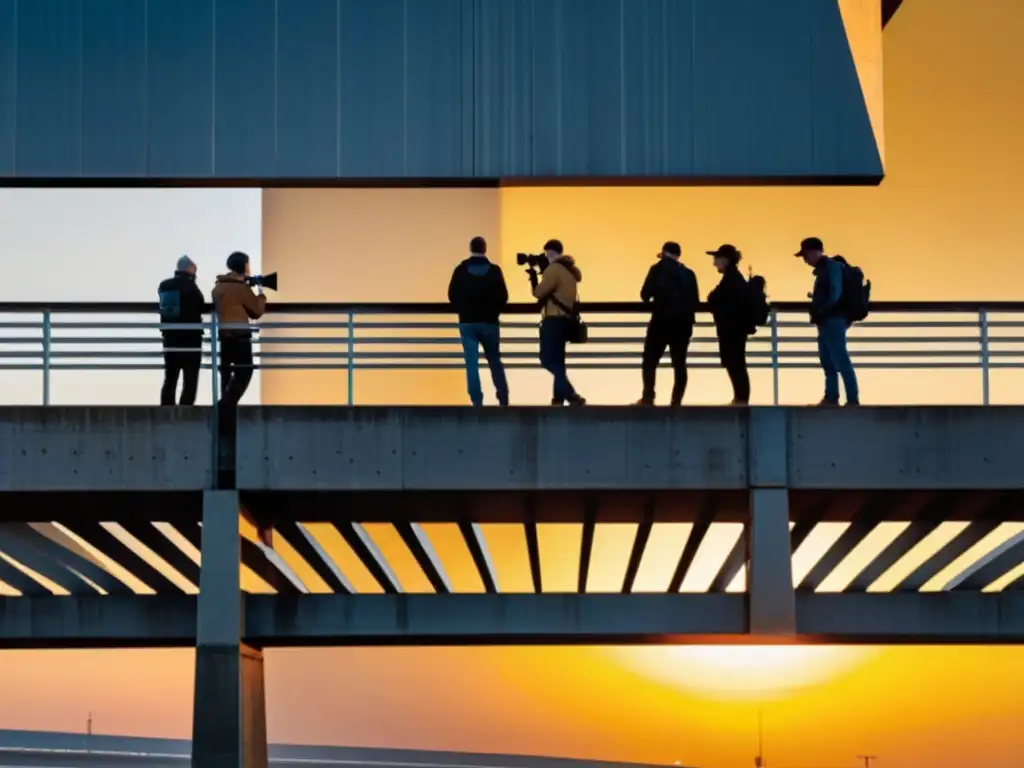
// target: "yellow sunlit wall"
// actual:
[[943, 225]]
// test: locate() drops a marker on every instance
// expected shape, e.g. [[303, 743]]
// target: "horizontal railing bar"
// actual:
[[422, 308], [433, 366], [517, 339]]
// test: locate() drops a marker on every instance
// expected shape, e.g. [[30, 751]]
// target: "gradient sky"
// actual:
[[944, 225]]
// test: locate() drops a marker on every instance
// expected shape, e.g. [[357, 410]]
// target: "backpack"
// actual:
[[856, 297], [759, 306], [170, 305]]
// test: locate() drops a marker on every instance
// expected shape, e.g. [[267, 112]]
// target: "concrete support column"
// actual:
[[771, 599], [229, 721]]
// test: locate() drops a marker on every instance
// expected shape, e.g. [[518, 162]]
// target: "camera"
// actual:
[[266, 281], [534, 260]]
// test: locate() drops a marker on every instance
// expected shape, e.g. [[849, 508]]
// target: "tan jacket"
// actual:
[[236, 302], [561, 280]]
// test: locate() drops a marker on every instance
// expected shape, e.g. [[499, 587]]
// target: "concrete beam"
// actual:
[[301, 448], [105, 448], [629, 449], [95, 621], [521, 619]]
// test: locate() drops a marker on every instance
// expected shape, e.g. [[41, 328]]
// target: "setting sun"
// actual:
[[752, 672]]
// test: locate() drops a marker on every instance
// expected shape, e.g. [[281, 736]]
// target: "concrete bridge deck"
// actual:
[[113, 519], [516, 449]]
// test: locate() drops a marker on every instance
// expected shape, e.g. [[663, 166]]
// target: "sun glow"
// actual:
[[744, 671]]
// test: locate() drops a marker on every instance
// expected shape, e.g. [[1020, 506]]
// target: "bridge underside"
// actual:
[[456, 620]]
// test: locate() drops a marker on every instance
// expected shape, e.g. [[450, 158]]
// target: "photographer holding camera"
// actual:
[[236, 304], [558, 294]]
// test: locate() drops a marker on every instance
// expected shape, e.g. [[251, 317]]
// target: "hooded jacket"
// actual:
[[671, 287], [181, 301], [477, 291], [560, 281], [236, 303]]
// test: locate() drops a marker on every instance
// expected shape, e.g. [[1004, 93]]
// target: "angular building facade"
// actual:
[[478, 91]]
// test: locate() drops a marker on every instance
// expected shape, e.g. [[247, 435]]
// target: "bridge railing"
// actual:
[[349, 338]]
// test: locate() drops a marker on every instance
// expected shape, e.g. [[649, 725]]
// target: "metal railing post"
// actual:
[[47, 341], [775, 357], [983, 325], [351, 358], [214, 357]]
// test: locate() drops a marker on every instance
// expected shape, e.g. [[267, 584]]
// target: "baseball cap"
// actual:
[[810, 244], [185, 264], [554, 245], [726, 251], [672, 249]]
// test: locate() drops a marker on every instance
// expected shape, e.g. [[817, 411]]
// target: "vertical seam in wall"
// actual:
[[213, 88], [405, 87], [145, 86], [81, 88], [622, 87], [337, 87], [692, 86], [17, 68], [277, 67]]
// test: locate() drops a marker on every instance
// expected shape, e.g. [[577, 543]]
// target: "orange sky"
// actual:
[[953, 117]]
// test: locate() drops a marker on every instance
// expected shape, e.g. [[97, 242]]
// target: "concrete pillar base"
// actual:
[[229, 718], [771, 599]]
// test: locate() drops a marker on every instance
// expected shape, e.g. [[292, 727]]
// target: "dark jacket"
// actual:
[[236, 303], [672, 287], [827, 294], [477, 291], [730, 304], [181, 301]]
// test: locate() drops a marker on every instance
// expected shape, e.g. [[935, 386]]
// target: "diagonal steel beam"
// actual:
[[732, 564], [700, 529], [19, 547], [992, 566], [362, 545], [423, 551], [477, 545], [953, 549], [533, 552], [643, 534], [269, 566], [586, 546], [104, 541], [309, 549], [943, 506], [85, 565], [163, 548], [20, 580], [871, 514]]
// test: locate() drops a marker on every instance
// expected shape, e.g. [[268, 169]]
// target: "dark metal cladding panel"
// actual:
[[843, 141], [244, 83], [307, 88], [181, 97], [8, 84], [114, 88], [752, 108], [659, 89], [49, 88], [374, 108], [393, 89], [435, 48]]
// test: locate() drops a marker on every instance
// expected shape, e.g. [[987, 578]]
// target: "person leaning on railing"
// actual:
[[558, 294], [236, 304]]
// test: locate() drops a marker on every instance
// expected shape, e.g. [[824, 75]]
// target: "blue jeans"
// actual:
[[835, 360], [488, 336], [554, 335]]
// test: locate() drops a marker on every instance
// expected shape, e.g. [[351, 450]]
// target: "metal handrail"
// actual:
[[422, 336]]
